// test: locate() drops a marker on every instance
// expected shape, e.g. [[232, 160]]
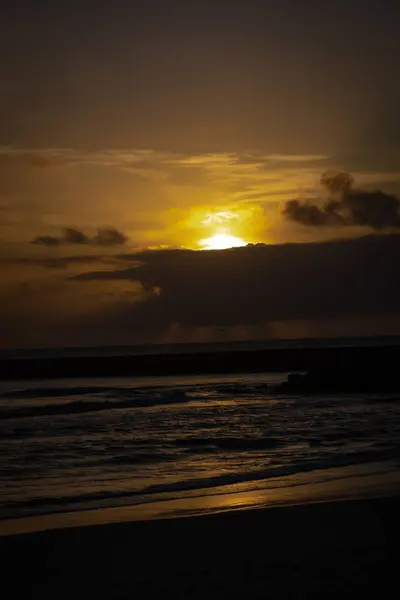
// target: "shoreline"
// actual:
[[353, 482]]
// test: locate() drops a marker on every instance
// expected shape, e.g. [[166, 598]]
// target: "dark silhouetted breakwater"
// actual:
[[360, 359]]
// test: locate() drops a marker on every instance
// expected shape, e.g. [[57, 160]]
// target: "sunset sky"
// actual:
[[134, 132]]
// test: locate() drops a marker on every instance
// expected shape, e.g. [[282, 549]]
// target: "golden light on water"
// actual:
[[222, 241]]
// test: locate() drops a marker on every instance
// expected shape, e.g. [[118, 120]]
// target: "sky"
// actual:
[[133, 133]]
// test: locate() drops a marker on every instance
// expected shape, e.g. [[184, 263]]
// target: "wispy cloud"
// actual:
[[157, 198], [150, 159], [295, 158], [218, 167]]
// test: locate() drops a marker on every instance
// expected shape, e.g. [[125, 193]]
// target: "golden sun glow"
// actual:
[[222, 241]]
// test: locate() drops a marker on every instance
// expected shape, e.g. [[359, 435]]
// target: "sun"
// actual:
[[222, 241]]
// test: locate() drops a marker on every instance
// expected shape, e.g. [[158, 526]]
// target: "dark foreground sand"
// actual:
[[327, 550]]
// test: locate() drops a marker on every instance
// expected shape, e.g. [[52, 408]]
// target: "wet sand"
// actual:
[[319, 550]]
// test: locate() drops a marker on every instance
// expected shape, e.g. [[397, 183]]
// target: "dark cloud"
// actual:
[[347, 206], [46, 240], [109, 236], [337, 183], [106, 236], [75, 236], [373, 209], [258, 284], [178, 295], [309, 214]]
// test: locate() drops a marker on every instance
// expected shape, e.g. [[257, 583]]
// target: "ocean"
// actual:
[[75, 445]]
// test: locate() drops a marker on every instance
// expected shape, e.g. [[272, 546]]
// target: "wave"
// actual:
[[198, 391], [216, 485], [138, 458], [36, 393], [96, 398], [84, 406], [231, 443], [19, 433], [272, 472]]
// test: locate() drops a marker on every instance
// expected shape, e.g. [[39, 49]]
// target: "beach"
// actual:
[[196, 487], [313, 550]]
